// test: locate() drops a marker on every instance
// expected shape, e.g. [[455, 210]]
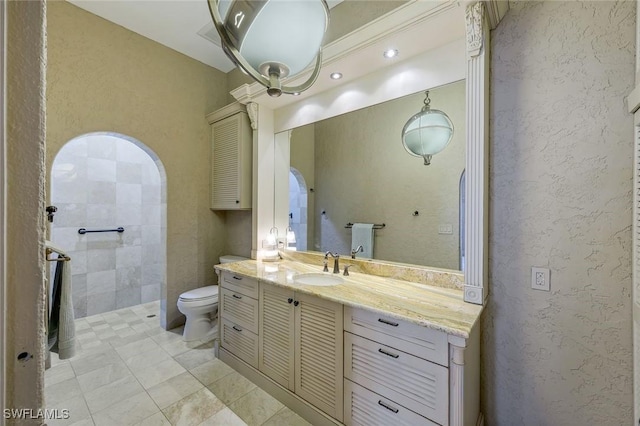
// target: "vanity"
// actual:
[[369, 350], [392, 343]]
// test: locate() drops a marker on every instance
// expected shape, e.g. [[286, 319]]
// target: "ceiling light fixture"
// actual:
[[427, 132], [336, 75], [270, 40], [390, 53]]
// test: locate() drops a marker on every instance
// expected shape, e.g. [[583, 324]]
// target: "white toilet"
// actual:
[[200, 306]]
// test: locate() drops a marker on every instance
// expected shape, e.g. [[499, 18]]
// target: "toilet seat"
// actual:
[[202, 294]]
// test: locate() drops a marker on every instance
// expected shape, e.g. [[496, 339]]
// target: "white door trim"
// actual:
[[3, 224]]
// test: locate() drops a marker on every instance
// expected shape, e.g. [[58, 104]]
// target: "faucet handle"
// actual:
[[346, 270], [325, 269]]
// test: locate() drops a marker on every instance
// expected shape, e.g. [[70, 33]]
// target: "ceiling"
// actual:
[[182, 25]]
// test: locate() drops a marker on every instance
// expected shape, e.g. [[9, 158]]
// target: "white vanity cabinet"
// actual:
[[300, 346], [231, 158], [239, 316], [399, 373]]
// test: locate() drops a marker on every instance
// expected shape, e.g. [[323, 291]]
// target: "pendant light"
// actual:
[[272, 39], [427, 133]]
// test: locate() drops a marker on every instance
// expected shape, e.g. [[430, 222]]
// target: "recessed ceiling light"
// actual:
[[391, 53], [336, 75]]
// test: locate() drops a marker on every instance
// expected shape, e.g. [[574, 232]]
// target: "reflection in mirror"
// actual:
[[353, 169]]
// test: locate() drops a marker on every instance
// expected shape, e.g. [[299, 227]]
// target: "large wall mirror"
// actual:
[[353, 168], [359, 172]]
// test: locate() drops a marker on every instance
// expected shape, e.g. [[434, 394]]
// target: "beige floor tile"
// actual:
[[224, 417], [136, 347], [157, 419], [231, 387], [125, 340], [131, 411], [193, 409], [211, 371], [178, 347], [85, 422], [149, 377], [103, 376], [147, 359], [256, 407], [58, 373], [62, 391], [174, 389], [286, 417], [89, 362], [77, 410], [105, 396], [195, 357]]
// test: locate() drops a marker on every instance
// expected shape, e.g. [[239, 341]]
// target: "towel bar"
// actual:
[[63, 258], [375, 225]]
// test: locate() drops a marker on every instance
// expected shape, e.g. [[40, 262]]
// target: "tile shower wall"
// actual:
[[102, 181]]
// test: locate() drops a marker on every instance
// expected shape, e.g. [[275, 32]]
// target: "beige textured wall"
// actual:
[[25, 204], [102, 77], [302, 151], [560, 185], [238, 233], [363, 174]]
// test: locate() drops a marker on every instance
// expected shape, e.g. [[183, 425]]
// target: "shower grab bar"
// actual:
[[83, 231], [375, 225]]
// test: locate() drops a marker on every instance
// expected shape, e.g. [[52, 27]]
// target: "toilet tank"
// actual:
[[229, 258]]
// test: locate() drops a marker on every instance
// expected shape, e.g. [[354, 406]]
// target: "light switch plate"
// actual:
[[540, 279], [445, 229]]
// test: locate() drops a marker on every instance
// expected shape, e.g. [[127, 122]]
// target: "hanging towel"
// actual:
[[362, 235], [62, 330]]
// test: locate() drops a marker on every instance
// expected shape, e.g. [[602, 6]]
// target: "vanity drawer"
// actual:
[[240, 342], [239, 309], [365, 408], [241, 284], [411, 338], [412, 382]]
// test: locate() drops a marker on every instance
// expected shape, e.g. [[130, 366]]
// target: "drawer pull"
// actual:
[[237, 278], [289, 300], [392, 324], [236, 328], [395, 410], [296, 303], [382, 351], [235, 296]]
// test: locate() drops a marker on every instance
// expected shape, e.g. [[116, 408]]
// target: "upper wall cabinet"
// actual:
[[231, 158]]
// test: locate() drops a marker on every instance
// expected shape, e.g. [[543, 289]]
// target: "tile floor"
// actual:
[[129, 371]]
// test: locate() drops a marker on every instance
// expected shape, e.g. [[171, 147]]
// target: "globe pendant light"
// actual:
[[272, 39], [427, 133]]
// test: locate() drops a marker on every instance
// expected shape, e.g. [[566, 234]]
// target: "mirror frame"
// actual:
[[271, 146]]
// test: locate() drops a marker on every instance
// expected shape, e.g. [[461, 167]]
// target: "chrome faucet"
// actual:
[[336, 265], [358, 249]]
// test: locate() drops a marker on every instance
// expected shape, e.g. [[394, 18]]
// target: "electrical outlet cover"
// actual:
[[540, 279]]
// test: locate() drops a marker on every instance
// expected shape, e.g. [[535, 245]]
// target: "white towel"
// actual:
[[362, 235], [66, 338], [67, 326]]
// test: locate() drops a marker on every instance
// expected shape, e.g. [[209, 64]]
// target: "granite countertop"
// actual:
[[429, 306]]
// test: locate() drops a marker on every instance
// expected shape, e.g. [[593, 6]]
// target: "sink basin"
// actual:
[[318, 279]]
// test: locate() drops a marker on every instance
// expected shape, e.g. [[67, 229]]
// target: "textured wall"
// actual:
[[25, 59], [363, 174], [560, 185], [102, 77], [102, 181]]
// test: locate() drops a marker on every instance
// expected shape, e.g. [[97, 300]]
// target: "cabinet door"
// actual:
[[319, 361], [230, 174], [276, 356]]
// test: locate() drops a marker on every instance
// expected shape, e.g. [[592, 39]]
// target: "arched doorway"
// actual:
[[298, 207], [101, 182]]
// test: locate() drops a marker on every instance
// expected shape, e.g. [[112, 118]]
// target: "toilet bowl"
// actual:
[[200, 306]]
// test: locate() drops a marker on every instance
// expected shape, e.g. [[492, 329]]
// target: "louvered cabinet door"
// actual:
[[230, 163], [319, 358], [276, 339]]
